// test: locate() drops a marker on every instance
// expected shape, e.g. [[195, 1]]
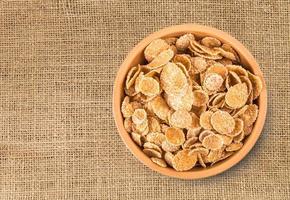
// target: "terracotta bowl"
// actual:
[[136, 56]]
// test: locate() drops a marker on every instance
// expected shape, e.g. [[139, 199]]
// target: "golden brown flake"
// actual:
[[248, 130], [222, 122], [203, 134], [182, 161], [149, 86], [132, 75], [239, 126], [205, 120], [160, 107], [150, 145], [250, 115], [174, 136], [156, 138], [159, 162], [200, 160], [154, 125], [171, 40], [212, 142], [168, 157], [126, 108], [182, 42], [234, 147], [210, 42], [189, 142], [152, 153], [198, 64], [193, 132], [199, 149], [183, 59], [237, 96], [139, 116], [213, 82], [228, 48], [257, 85], [200, 98], [166, 146], [227, 140], [239, 138], [128, 124], [180, 119], [183, 102], [162, 59], [154, 49], [137, 138], [173, 80], [232, 79]]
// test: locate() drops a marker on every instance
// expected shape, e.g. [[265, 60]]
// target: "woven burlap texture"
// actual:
[[58, 61]]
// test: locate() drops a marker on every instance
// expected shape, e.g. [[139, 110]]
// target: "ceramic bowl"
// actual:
[[136, 56]]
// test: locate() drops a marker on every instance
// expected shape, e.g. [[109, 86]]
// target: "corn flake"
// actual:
[[149, 86], [139, 116], [137, 138], [162, 59], [237, 96], [171, 40], [126, 108], [203, 134], [213, 82], [239, 126], [227, 140], [239, 138], [212, 142], [193, 132], [183, 102], [222, 122], [189, 142], [128, 124], [184, 59], [160, 107], [173, 80], [154, 125], [257, 85], [180, 119], [159, 162], [152, 153], [250, 115], [199, 149], [183, 42], [150, 145], [156, 138], [182, 161], [132, 75], [248, 130], [174, 136], [154, 49], [168, 157], [166, 146], [234, 147], [198, 64], [210, 42], [205, 120], [200, 98]]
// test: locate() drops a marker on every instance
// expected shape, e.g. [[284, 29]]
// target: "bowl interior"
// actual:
[[136, 56]]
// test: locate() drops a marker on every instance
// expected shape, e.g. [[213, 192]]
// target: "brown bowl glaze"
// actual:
[[136, 56]]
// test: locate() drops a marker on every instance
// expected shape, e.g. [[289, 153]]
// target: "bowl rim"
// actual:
[[200, 30]]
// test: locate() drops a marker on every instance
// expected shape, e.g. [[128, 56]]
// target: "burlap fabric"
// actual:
[[58, 61]]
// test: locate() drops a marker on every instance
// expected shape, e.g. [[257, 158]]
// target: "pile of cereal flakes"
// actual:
[[191, 104]]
